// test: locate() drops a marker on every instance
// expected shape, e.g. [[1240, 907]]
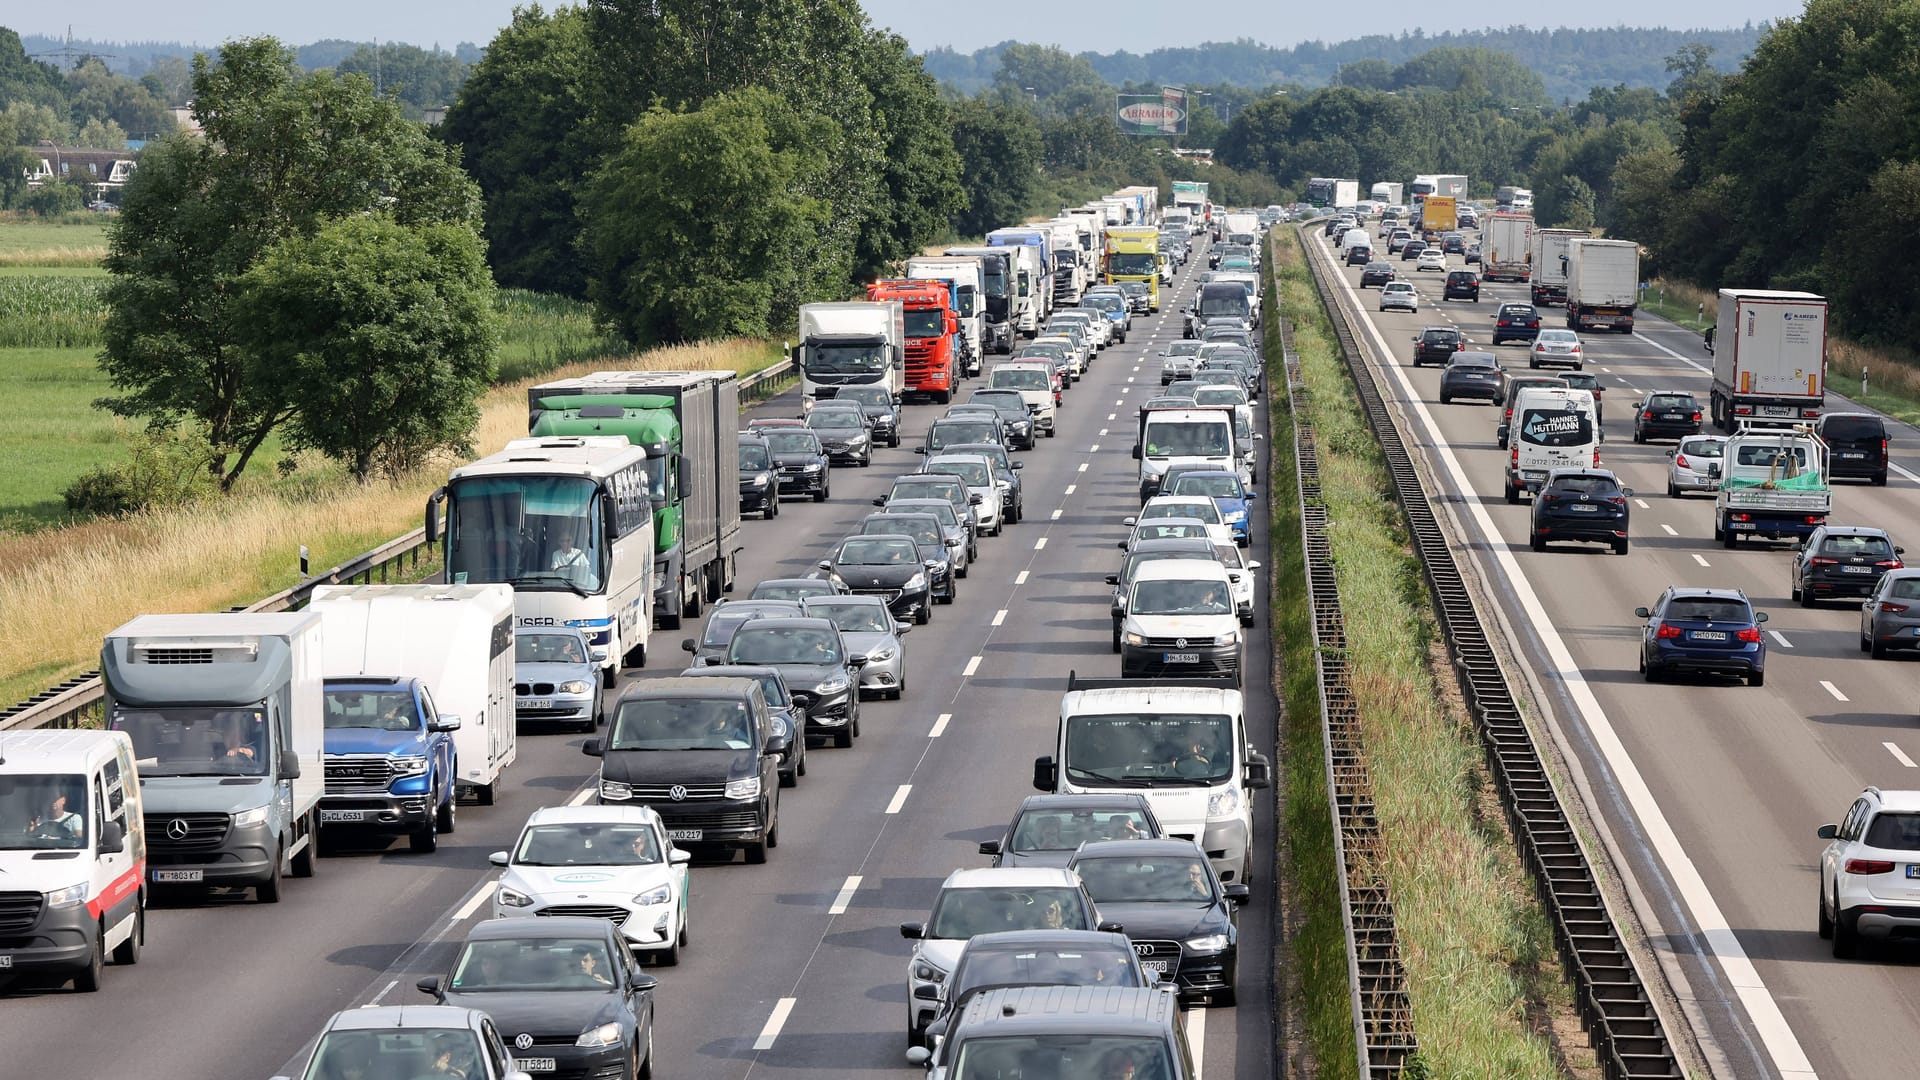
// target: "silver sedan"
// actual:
[[869, 630], [1694, 465]]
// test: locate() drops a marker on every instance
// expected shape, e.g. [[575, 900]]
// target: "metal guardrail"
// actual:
[[77, 702], [1384, 1034], [1622, 1024]]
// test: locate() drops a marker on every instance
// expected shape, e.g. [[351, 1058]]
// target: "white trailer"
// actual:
[[458, 639], [1506, 248], [1069, 264], [969, 281], [1549, 264], [1389, 194], [1603, 284], [1769, 357]]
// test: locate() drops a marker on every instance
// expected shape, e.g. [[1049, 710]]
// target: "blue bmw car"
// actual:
[[1710, 631]]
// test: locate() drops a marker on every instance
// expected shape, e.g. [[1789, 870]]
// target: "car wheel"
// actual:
[[127, 953], [1653, 672], [87, 979], [1533, 363], [1620, 547], [843, 738], [799, 755], [443, 818], [1444, 398], [925, 614], [1880, 479], [1637, 437], [821, 495], [1877, 650], [773, 507], [1673, 492], [424, 840], [1116, 637], [1846, 941], [1758, 678], [1513, 494], [1823, 922], [1729, 538], [1537, 542], [1797, 596]]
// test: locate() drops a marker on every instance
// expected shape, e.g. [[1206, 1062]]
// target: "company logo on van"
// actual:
[[1800, 316]]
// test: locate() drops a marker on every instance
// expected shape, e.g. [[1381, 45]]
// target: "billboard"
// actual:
[[1164, 113]]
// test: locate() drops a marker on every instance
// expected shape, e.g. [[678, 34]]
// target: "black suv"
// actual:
[[802, 459], [1412, 250], [1139, 1026], [1859, 445], [1840, 561], [1516, 322], [1376, 273], [1436, 345], [1359, 254], [1462, 285], [881, 407], [1581, 504], [759, 476], [1666, 414]]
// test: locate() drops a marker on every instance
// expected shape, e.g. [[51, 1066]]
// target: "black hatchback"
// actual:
[[1376, 273], [1842, 562], [759, 476], [1462, 285], [1516, 322], [1473, 375], [1587, 505], [1436, 345], [1666, 414], [1858, 442]]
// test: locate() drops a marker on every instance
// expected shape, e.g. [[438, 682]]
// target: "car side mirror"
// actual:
[[1122, 545], [445, 722], [688, 645], [678, 856], [1237, 893], [921, 450], [429, 986], [824, 564], [1827, 832], [1136, 451], [289, 765], [113, 838], [1759, 616], [926, 993], [640, 982], [1045, 773], [919, 1055], [1899, 551], [1627, 491], [880, 500], [498, 858], [913, 931], [1110, 927], [592, 748], [1642, 613], [976, 499], [598, 655], [776, 745], [1113, 579], [1018, 465], [990, 847]]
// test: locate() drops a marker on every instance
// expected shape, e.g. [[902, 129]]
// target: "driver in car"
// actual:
[[57, 820]]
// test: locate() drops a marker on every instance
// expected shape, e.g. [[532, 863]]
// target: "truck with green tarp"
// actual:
[[1773, 483]]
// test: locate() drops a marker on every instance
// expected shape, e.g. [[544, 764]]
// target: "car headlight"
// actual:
[[762, 480], [402, 766], [248, 819], [575, 686], [881, 656], [658, 895], [1207, 943], [1223, 802], [926, 972], [1231, 637], [1132, 638], [780, 725], [917, 581], [812, 466], [509, 898], [832, 686], [744, 789], [71, 896], [615, 791], [604, 1035]]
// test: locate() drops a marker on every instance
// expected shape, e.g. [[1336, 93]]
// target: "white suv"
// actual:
[[1870, 871]]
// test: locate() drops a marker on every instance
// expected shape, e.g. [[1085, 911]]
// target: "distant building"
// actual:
[[183, 116], [96, 171], [434, 116]]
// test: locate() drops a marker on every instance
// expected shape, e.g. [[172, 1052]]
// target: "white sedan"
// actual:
[[609, 862], [1431, 259], [1399, 294]]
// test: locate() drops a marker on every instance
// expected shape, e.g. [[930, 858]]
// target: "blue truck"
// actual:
[[390, 760]]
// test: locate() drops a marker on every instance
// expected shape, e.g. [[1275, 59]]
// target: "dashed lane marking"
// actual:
[[781, 1010], [939, 725], [844, 896]]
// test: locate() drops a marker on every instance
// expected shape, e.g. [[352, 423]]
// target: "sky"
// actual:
[[1135, 25]]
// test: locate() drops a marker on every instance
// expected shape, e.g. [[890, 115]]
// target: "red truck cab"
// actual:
[[933, 329]]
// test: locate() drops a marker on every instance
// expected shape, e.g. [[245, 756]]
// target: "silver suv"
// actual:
[[1870, 871]]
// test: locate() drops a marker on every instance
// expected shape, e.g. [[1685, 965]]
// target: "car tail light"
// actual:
[[1893, 609], [1696, 417], [1750, 635], [1743, 410], [1667, 630], [1821, 560], [1576, 349], [1740, 517], [1516, 457], [1889, 564], [1883, 448], [1503, 322], [1869, 866], [1596, 457], [1815, 519], [1617, 500], [1547, 497], [1680, 461]]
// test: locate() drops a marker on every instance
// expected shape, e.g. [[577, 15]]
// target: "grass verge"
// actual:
[[1488, 994]]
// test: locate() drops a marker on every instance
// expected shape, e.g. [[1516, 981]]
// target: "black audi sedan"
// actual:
[[886, 565], [1166, 895]]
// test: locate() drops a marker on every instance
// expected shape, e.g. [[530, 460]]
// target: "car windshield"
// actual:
[[865, 395], [403, 1052], [1095, 1057], [190, 741], [906, 488], [1213, 487], [540, 964], [837, 420], [588, 843], [682, 723], [1169, 530], [43, 811], [1066, 830], [1162, 597], [1398, 287], [945, 433], [723, 625], [754, 458], [973, 472], [1850, 547], [1050, 350], [876, 552], [793, 442], [1894, 831], [852, 618], [785, 645], [1708, 609], [1138, 879], [1205, 511], [1150, 750], [377, 710], [941, 509], [789, 590], [1023, 964], [1022, 378], [962, 913], [1219, 395], [547, 649]]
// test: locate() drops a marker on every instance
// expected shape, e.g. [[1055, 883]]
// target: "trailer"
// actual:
[[1603, 284], [1506, 248], [1769, 357], [1548, 261]]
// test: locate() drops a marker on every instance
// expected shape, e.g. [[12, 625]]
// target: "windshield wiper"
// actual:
[[1107, 778], [549, 575]]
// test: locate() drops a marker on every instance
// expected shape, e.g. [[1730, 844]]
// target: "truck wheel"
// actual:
[[303, 863], [424, 840], [941, 397], [1729, 538], [268, 891], [87, 979], [484, 793]]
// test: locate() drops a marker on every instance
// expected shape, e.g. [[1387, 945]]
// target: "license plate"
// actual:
[[342, 816], [1739, 526], [1583, 508], [1856, 569], [689, 835], [534, 703], [177, 875], [1776, 410], [1161, 967], [1913, 871], [1709, 635], [1853, 454], [1671, 416], [1180, 658], [534, 1065]]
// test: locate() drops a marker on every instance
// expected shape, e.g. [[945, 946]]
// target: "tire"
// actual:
[[1866, 644], [424, 841], [1637, 436], [1620, 547], [1673, 492], [610, 675], [1537, 542], [925, 614], [670, 956], [756, 854], [1846, 940], [1729, 538], [1444, 399], [444, 819], [1823, 923], [821, 495], [303, 863], [268, 891], [1051, 432], [1533, 363], [1116, 637], [484, 794], [853, 725], [1513, 495], [1880, 479], [1654, 673], [800, 756], [1758, 678], [127, 953], [1877, 651], [843, 738], [87, 979], [773, 509]]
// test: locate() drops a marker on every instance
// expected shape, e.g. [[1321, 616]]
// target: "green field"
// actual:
[[30, 235], [50, 433]]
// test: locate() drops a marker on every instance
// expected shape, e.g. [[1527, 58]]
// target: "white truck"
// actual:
[[857, 343], [1346, 194], [1506, 248], [226, 715], [1069, 264], [1603, 284], [1148, 200], [1450, 184], [1548, 256], [1769, 357], [1389, 194], [1121, 735], [970, 294], [1773, 483], [1028, 301], [1243, 228], [458, 639]]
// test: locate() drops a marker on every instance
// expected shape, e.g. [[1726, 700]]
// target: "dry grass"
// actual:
[[55, 256], [63, 589]]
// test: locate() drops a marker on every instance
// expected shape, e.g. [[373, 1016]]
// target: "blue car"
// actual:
[[1711, 631], [1227, 493], [390, 764]]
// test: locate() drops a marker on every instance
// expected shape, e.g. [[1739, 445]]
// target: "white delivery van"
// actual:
[[1034, 380], [1184, 436], [75, 856], [456, 638], [1552, 428]]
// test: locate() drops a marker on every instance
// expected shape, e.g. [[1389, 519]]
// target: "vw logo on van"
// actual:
[[177, 829], [677, 792], [523, 1041], [1179, 643]]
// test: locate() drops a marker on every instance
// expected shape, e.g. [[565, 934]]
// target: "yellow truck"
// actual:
[[1133, 254], [1437, 216]]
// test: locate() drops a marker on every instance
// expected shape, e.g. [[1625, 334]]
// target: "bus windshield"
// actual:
[[538, 533]]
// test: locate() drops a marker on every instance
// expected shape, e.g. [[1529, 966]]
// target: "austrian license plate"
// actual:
[[1709, 635], [178, 876], [689, 835], [342, 816], [534, 703], [534, 1065], [1180, 658], [1584, 508]]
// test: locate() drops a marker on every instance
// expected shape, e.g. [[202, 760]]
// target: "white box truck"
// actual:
[[1069, 266], [225, 714], [1769, 357], [858, 343], [458, 639], [1389, 194], [1603, 284], [1549, 259], [1506, 248]]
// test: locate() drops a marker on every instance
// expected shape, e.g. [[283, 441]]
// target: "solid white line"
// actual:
[[1669, 528], [899, 798], [973, 665], [1717, 933], [1899, 755], [1000, 616], [580, 797], [1701, 559], [939, 725], [840, 900], [473, 903], [1040, 543], [774, 1023], [1642, 504], [1021, 578], [1781, 639], [1834, 690]]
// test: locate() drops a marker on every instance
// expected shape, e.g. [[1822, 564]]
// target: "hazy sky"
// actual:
[[1135, 25]]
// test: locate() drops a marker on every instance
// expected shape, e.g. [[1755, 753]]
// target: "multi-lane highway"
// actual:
[[1711, 791], [795, 968]]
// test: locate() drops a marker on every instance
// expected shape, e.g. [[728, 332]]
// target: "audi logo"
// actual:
[[1141, 948], [177, 829], [523, 1041], [677, 792]]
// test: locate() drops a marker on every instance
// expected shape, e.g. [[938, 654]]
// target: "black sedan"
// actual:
[[759, 476], [1581, 504], [882, 409], [1048, 829], [820, 672], [1009, 958], [1177, 914], [1516, 322], [887, 565], [1842, 562], [1412, 250], [1014, 412], [844, 433], [802, 458], [564, 992], [1666, 415], [931, 541], [1472, 375], [1376, 273]]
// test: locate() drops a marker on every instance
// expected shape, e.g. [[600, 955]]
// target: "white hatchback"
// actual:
[[1431, 259], [1198, 507], [1694, 465], [609, 862], [1399, 295]]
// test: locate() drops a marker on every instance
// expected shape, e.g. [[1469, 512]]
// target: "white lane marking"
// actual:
[[1112, 415], [774, 1023], [1055, 516], [899, 798], [844, 896], [1000, 616], [939, 725], [388, 989], [1740, 973], [480, 895], [1701, 559], [1697, 367], [1121, 401], [1040, 543], [1899, 755], [1095, 448], [973, 665], [1083, 467], [1197, 1037], [1606, 371], [1071, 488], [1834, 690], [1781, 638], [1103, 431], [1021, 578], [1130, 378], [1669, 528], [1642, 504]]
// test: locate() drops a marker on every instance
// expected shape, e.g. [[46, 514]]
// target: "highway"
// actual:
[[796, 968], [1710, 790]]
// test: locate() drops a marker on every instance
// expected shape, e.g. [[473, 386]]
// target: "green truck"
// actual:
[[689, 424]]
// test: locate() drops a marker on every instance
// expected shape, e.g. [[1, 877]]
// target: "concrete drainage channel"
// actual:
[[1622, 1024], [1382, 1011]]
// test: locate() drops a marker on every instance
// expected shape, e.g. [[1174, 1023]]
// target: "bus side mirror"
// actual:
[[433, 515]]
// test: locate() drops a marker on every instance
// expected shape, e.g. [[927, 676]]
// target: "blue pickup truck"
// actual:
[[389, 760]]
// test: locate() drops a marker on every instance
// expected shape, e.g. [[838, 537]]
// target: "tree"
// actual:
[[716, 221], [920, 185], [419, 79], [169, 80], [1694, 75], [102, 136], [381, 334], [999, 147], [284, 153], [27, 81], [98, 94]]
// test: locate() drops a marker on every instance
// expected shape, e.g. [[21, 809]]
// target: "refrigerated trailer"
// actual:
[[1769, 357]]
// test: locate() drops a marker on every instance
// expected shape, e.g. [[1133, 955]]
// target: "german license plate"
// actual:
[[342, 816], [1709, 635], [689, 835], [1671, 416], [1776, 410], [534, 703], [1739, 526], [178, 876], [534, 1065], [1852, 455], [1584, 508], [1856, 569], [1913, 871], [1180, 658], [1161, 967]]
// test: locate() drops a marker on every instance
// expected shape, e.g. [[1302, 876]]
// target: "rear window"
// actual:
[[1850, 428], [1440, 337], [1905, 589], [1671, 401], [1465, 360], [1898, 832], [1847, 547], [1598, 487], [1706, 448], [1709, 609]]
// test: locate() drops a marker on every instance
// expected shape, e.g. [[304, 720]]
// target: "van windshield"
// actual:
[[1189, 438], [43, 811], [196, 740], [676, 723], [1155, 750]]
